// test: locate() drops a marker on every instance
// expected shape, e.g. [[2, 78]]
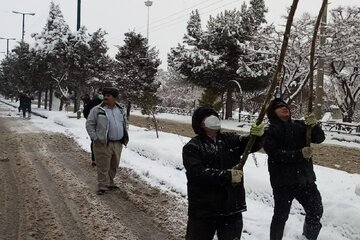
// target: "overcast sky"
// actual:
[[167, 17]]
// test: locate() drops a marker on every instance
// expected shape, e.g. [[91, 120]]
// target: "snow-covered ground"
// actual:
[[159, 162]]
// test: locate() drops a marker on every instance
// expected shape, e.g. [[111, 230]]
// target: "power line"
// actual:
[[186, 14], [171, 15], [158, 28], [182, 16]]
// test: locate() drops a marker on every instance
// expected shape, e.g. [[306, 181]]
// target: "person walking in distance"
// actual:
[[291, 168], [98, 98], [25, 104], [107, 128], [216, 193]]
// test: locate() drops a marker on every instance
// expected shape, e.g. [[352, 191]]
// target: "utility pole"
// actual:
[[319, 91], [23, 22], [148, 3], [7, 44], [78, 15], [78, 23]]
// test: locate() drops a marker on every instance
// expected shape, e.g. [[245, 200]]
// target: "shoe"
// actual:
[[93, 164], [101, 192]]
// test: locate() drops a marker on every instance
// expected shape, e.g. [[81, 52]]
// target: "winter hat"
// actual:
[[274, 104], [110, 90], [199, 115]]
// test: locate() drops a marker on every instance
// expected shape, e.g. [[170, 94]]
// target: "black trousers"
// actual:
[[309, 197], [92, 151], [26, 108], [226, 228]]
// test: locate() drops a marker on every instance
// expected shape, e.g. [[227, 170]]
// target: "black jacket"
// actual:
[[283, 142], [92, 103], [25, 100], [210, 192]]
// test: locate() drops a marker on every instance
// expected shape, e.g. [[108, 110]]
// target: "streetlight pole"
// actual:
[[7, 44], [148, 3], [23, 22]]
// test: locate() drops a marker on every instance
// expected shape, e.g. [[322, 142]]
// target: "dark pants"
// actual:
[[92, 151], [28, 109], [226, 228], [309, 197]]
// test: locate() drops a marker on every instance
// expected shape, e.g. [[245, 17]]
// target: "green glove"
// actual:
[[307, 152], [257, 130], [310, 120], [236, 176]]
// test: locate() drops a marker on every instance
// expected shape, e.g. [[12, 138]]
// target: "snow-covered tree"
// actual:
[[51, 46], [296, 67], [175, 91], [136, 68], [211, 58], [342, 52], [100, 63]]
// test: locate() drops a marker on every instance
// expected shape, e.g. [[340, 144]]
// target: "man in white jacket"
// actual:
[[107, 128]]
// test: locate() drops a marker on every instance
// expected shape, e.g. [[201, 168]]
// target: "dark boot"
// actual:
[[311, 231], [276, 231]]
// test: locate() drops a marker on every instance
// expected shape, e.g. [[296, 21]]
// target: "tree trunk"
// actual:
[[75, 100], [229, 104], [39, 98], [128, 108], [349, 116], [46, 98], [51, 97], [156, 124], [61, 104], [78, 99]]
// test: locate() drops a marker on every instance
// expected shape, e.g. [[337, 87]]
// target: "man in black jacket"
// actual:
[[216, 192], [98, 98], [291, 168]]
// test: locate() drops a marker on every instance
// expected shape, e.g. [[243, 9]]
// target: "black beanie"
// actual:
[[274, 104], [199, 115], [110, 90]]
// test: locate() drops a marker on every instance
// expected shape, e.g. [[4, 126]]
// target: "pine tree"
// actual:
[[136, 68], [51, 47], [257, 11], [194, 29], [213, 57], [99, 61]]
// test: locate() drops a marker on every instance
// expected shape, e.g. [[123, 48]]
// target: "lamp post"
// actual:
[[23, 22], [148, 3], [7, 44]]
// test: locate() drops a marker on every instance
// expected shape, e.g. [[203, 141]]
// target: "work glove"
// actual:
[[307, 152], [257, 130], [310, 120], [236, 176]]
